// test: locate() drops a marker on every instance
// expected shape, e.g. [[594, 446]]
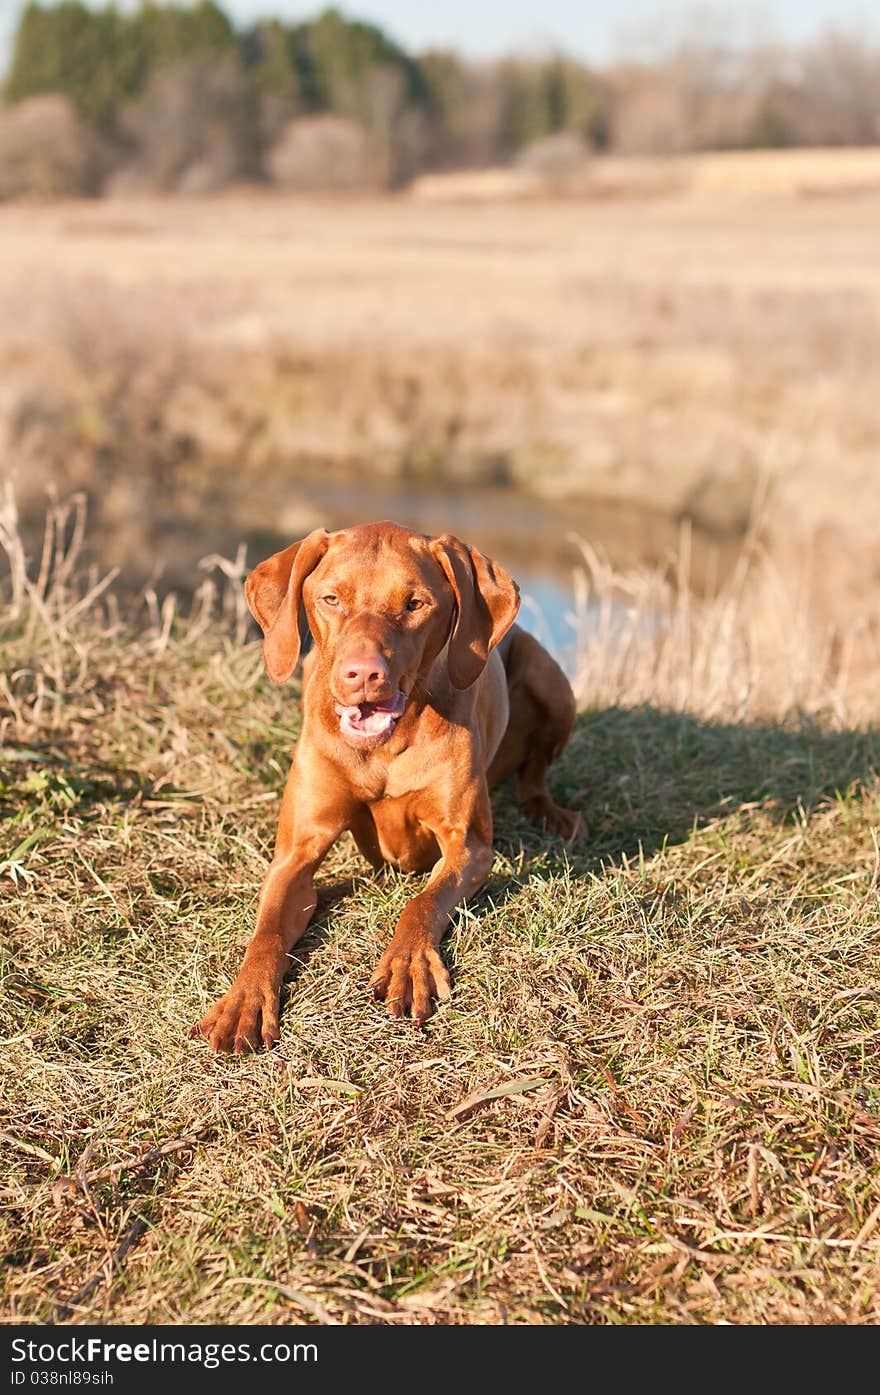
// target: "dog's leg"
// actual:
[[411, 972], [247, 1016], [542, 712]]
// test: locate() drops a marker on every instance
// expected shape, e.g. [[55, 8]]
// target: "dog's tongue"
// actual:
[[371, 718]]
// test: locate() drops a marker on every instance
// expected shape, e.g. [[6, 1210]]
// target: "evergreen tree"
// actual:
[[99, 58], [70, 49]]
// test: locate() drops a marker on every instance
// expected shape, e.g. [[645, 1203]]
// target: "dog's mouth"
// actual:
[[371, 722]]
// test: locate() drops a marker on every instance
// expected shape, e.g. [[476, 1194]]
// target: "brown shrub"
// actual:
[[47, 150], [553, 157], [318, 154]]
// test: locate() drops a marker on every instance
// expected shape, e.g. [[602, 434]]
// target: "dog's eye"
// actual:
[[330, 600], [415, 604]]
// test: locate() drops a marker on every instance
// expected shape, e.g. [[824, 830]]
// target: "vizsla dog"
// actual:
[[419, 693]]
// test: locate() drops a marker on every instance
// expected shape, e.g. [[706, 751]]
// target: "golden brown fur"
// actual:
[[419, 693]]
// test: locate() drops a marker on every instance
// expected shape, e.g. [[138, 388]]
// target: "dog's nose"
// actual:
[[364, 677]]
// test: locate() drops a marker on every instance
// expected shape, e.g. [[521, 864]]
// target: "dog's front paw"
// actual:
[[408, 977], [244, 1019]]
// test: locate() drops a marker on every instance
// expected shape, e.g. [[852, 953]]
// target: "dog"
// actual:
[[419, 694]]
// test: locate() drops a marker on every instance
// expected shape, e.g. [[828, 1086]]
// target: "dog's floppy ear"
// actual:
[[274, 594], [486, 599]]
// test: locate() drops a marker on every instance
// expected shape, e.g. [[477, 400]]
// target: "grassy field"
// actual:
[[653, 1096], [191, 363], [736, 174]]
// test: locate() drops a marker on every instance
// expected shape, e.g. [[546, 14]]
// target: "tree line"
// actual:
[[168, 89]]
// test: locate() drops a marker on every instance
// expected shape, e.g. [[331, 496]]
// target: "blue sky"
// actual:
[[486, 27], [593, 30]]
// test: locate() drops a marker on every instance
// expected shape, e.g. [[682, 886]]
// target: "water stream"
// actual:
[[536, 539]]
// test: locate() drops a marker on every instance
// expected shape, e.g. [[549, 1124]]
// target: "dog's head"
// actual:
[[382, 602]]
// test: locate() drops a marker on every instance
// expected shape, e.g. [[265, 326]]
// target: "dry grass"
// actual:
[[737, 174], [192, 364], [652, 1098]]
